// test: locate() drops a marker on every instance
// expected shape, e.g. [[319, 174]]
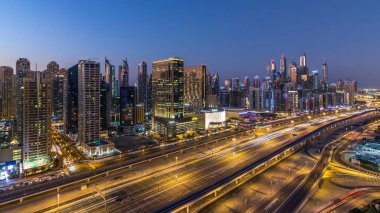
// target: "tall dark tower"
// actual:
[[324, 72], [215, 84], [124, 74], [110, 76], [142, 83], [324, 80], [283, 71]]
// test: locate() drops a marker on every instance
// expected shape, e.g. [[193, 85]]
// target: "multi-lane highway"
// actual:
[[153, 190], [344, 183], [268, 194], [79, 169], [187, 200]]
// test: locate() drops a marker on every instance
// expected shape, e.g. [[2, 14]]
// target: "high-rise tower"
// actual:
[[34, 111], [6, 93], [293, 72], [142, 83], [124, 74], [110, 76], [195, 83], [283, 71], [52, 69], [70, 100], [324, 72], [215, 84], [88, 101], [22, 63], [303, 62], [168, 88], [58, 81]]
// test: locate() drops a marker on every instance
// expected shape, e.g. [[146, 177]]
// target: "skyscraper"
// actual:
[[228, 84], [313, 80], [6, 93], [52, 69], [292, 102], [293, 72], [22, 64], [168, 98], [88, 101], [142, 83], [255, 98], [256, 82], [70, 100], [350, 88], [195, 83], [110, 76], [58, 81], [149, 94], [283, 71], [303, 72], [52, 66], [235, 84], [273, 69], [128, 101], [215, 84], [124, 74], [168, 88], [247, 83], [303, 62], [105, 105], [324, 72], [35, 120]]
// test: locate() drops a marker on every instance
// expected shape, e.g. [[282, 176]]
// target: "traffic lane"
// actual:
[[244, 159], [152, 150], [359, 202], [335, 125], [171, 176], [134, 167], [260, 186], [197, 150]]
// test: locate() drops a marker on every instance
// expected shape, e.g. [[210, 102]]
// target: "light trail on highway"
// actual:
[[200, 174]]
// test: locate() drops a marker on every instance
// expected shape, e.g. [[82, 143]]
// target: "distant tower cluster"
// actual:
[[173, 102]]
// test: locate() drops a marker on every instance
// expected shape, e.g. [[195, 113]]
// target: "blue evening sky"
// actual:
[[234, 38]]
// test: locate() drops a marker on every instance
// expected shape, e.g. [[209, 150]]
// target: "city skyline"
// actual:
[[250, 33], [189, 106]]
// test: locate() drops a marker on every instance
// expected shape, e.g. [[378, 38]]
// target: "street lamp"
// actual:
[[271, 184], [58, 197], [176, 160]]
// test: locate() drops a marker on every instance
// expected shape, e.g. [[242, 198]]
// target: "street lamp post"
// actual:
[[58, 197], [176, 160], [271, 184]]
